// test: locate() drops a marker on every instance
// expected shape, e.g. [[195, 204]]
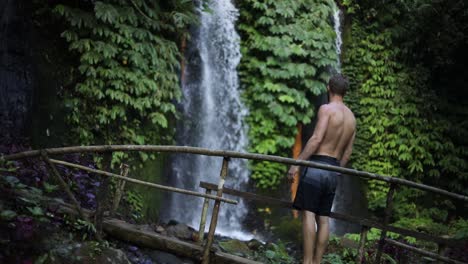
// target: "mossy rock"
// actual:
[[85, 253], [254, 244], [235, 247]]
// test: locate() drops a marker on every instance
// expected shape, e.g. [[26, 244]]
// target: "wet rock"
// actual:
[[235, 247], [254, 244], [90, 254], [136, 255], [112, 256], [86, 253], [161, 257], [65, 253], [147, 228], [180, 231], [160, 229]]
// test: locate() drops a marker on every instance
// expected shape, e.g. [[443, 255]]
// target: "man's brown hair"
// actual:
[[338, 84]]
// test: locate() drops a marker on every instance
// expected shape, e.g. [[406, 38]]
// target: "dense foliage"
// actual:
[[128, 67], [27, 211], [409, 107], [405, 60], [33, 228], [287, 52]]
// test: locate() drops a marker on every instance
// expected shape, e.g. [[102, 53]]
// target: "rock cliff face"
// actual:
[[16, 77], [35, 66]]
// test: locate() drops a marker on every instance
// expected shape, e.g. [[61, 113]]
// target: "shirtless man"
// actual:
[[331, 143]]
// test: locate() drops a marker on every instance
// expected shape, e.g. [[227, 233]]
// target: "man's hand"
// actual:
[[292, 171]]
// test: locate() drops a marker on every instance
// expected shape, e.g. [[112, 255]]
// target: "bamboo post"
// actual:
[[387, 214], [214, 216], [64, 185], [119, 189], [362, 244], [201, 231]]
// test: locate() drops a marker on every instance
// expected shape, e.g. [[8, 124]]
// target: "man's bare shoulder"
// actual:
[[325, 109], [350, 116], [333, 107]]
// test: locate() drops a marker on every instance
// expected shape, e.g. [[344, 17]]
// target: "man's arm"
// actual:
[[348, 150], [314, 141]]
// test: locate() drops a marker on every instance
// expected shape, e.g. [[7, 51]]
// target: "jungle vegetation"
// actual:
[[405, 60]]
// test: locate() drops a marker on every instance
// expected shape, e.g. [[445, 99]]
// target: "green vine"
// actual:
[[128, 68], [287, 49], [405, 127]]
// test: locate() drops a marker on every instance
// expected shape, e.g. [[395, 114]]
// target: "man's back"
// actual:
[[339, 132], [332, 144]]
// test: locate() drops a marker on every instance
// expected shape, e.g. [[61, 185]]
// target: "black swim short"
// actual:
[[316, 189]]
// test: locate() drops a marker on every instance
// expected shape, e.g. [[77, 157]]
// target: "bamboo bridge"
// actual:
[[203, 250]]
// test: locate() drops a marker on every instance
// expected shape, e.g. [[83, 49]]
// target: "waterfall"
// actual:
[[338, 41], [212, 118]]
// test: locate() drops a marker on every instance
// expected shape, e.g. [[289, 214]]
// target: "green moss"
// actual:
[[151, 171]]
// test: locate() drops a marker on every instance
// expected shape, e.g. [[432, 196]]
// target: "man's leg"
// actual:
[[322, 238], [308, 231]]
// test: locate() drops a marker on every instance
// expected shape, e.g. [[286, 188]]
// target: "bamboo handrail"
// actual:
[[154, 185], [366, 224], [233, 154], [343, 217], [423, 252], [393, 181]]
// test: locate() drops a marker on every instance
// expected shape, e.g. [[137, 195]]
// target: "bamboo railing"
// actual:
[[366, 224]]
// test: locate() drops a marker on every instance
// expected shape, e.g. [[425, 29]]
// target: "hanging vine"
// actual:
[[405, 127]]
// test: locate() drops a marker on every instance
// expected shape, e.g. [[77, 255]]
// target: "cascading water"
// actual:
[[338, 41], [212, 117]]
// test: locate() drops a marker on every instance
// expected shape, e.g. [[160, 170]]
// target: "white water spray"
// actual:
[[338, 41]]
